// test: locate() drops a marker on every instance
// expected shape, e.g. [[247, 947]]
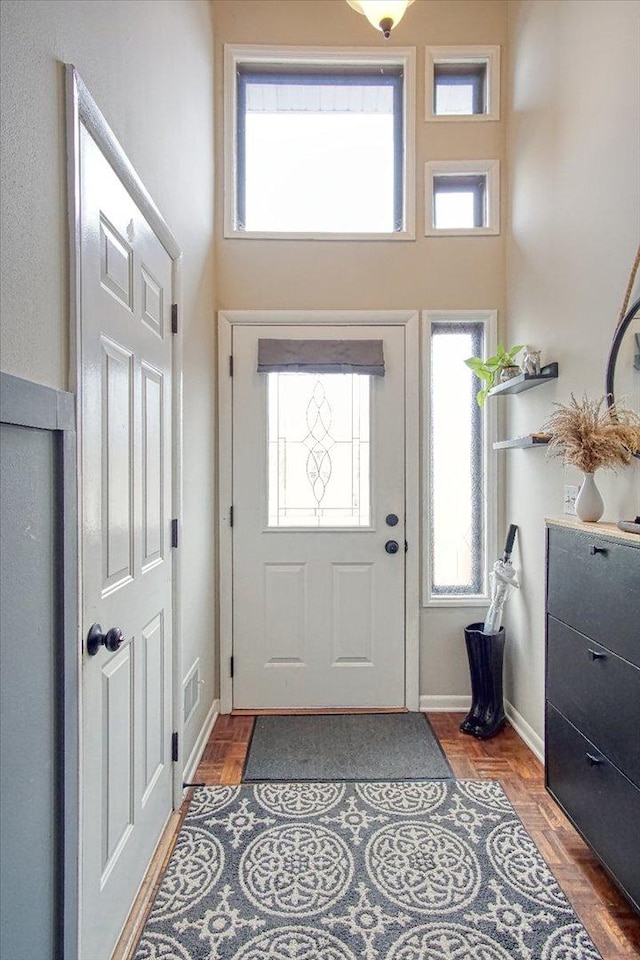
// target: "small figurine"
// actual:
[[530, 362]]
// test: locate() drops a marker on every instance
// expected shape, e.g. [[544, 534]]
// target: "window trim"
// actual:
[[466, 55], [490, 320], [489, 169], [287, 56]]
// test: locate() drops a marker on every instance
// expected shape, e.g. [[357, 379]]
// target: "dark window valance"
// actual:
[[321, 356]]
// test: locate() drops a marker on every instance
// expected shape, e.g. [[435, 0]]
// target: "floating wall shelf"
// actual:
[[524, 381], [530, 440]]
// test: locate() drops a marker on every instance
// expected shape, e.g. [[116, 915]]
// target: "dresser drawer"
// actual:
[[598, 799], [598, 692], [594, 586]]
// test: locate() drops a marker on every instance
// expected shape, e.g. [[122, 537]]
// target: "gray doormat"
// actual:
[[383, 746], [359, 871]]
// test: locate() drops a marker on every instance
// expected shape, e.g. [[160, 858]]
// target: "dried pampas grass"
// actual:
[[591, 434]]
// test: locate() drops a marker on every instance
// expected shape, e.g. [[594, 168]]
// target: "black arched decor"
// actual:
[[618, 337]]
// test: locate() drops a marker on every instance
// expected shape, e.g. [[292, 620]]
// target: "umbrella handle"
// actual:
[[511, 536]]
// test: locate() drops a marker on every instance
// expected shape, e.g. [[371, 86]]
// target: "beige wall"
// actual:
[[574, 173], [149, 66], [453, 273], [573, 213], [425, 273]]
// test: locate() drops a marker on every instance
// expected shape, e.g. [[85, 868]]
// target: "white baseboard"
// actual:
[[451, 704], [525, 731], [196, 754], [448, 704]]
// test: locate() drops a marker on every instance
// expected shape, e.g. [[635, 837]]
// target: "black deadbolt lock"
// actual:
[[391, 519]]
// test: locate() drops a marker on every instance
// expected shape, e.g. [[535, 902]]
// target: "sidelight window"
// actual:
[[461, 491]]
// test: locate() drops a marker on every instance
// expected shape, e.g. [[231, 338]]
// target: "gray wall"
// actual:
[[30, 669]]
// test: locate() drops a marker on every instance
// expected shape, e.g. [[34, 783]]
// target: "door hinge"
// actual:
[[231, 365], [174, 746], [174, 533], [231, 667], [174, 318], [231, 515]]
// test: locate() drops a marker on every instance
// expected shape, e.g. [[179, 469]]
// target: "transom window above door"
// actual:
[[319, 143]]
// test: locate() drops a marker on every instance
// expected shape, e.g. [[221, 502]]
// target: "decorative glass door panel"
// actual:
[[318, 450]]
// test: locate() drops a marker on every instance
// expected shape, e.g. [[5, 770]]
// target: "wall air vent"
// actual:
[[191, 690]]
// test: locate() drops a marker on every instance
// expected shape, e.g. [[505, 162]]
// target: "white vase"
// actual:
[[589, 505]]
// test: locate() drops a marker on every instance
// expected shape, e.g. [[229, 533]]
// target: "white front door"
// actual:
[[318, 482], [126, 352]]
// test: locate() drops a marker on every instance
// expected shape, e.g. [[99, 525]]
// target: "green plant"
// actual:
[[489, 370]]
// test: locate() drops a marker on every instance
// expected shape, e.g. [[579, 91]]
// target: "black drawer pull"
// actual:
[[593, 550], [596, 655], [594, 761]]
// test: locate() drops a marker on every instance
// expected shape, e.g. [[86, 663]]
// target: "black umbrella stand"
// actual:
[[485, 653]]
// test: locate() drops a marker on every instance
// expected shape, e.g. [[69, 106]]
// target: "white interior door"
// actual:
[[126, 350], [318, 477]]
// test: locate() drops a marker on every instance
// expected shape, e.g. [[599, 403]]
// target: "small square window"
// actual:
[[459, 201], [463, 83], [462, 198], [459, 88]]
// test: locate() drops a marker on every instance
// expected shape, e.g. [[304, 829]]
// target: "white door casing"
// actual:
[[337, 659], [125, 279]]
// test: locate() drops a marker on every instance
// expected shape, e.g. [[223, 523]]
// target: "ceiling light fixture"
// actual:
[[384, 15]]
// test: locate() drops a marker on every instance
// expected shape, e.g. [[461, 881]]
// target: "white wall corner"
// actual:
[[525, 731], [195, 756], [445, 704]]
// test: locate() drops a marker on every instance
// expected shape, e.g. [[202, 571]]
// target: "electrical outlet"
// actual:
[[570, 494]]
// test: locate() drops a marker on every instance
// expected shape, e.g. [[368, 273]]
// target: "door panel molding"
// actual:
[[409, 320]]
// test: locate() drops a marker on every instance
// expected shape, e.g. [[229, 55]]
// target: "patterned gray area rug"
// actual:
[[440, 870]]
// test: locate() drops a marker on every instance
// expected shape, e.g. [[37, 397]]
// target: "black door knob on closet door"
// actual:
[[112, 639], [392, 546]]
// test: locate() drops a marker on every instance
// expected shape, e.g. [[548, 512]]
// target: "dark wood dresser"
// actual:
[[592, 709]]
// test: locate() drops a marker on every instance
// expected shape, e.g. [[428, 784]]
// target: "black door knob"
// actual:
[[392, 546], [112, 639]]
